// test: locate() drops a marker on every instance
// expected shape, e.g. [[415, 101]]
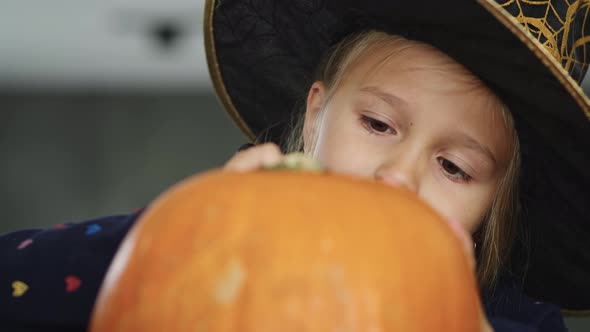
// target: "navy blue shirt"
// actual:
[[49, 280]]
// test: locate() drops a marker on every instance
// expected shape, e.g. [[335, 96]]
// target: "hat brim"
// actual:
[[261, 56]]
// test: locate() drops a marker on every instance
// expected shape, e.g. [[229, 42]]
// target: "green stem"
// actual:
[[297, 162]]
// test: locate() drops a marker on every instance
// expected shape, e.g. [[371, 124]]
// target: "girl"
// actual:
[[404, 113], [440, 98], [435, 96]]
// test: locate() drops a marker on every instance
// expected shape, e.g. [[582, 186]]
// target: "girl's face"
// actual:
[[415, 119]]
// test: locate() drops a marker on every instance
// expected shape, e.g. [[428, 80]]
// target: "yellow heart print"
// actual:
[[19, 288]]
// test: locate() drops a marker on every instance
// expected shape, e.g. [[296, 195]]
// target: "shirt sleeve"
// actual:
[[509, 310], [49, 278]]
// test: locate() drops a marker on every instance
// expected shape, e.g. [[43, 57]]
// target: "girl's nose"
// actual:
[[398, 179], [403, 173]]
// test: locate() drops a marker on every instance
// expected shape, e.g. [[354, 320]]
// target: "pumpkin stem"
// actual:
[[297, 161]]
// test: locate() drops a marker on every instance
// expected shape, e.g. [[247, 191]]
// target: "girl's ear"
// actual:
[[315, 101]]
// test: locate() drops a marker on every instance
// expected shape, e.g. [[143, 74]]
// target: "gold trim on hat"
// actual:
[[540, 51], [215, 72], [553, 29]]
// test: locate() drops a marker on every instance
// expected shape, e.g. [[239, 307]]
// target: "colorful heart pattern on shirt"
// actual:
[[72, 283], [19, 288], [24, 244], [93, 229]]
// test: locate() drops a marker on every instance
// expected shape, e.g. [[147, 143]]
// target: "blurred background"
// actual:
[[103, 105]]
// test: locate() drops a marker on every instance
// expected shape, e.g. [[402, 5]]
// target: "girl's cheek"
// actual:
[[350, 156], [350, 164], [465, 239], [460, 231], [451, 205], [460, 202]]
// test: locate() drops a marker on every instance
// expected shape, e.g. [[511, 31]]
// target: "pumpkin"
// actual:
[[288, 251]]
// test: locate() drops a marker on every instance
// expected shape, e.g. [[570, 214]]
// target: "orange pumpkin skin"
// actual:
[[288, 251]]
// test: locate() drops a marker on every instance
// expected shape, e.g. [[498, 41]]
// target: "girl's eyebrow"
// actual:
[[472, 144], [392, 100]]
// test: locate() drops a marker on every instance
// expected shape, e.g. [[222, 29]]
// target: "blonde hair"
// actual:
[[497, 232]]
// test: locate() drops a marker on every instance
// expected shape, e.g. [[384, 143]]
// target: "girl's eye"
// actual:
[[452, 171], [375, 126]]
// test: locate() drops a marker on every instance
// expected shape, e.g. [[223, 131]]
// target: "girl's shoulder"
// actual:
[[509, 309], [50, 277]]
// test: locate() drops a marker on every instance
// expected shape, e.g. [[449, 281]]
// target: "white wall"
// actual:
[[100, 43]]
